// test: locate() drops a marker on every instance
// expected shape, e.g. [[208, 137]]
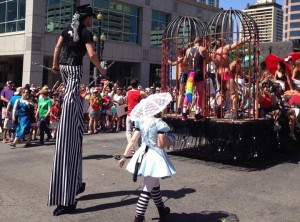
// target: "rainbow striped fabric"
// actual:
[[190, 86]]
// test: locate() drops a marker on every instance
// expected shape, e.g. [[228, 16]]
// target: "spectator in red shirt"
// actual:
[[94, 111], [133, 97], [55, 113], [107, 103]]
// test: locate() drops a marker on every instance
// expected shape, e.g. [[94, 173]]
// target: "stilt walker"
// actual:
[[72, 45]]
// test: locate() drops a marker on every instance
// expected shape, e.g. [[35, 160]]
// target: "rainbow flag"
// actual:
[[190, 86]]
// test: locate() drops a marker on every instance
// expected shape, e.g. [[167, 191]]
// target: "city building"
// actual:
[[214, 3], [29, 30], [291, 20], [269, 18]]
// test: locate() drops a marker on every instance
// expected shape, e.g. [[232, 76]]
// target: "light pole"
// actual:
[[99, 40]]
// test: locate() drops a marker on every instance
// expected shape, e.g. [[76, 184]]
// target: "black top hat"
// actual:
[[85, 10]]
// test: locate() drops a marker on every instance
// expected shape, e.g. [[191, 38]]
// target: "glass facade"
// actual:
[[159, 23], [294, 25], [295, 16], [295, 8], [12, 15], [58, 14], [294, 33], [120, 21], [211, 2]]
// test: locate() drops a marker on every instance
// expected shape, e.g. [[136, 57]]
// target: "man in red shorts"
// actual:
[[221, 58]]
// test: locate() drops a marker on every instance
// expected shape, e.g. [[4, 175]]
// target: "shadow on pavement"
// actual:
[[224, 162], [127, 198], [207, 216], [97, 157]]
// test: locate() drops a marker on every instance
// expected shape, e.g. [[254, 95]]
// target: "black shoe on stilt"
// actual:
[[139, 219], [163, 212], [60, 209], [81, 189]]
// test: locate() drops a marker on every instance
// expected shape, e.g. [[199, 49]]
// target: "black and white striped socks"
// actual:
[[142, 204], [156, 196]]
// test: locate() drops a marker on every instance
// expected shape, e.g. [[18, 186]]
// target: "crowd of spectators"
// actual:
[[42, 107], [278, 98]]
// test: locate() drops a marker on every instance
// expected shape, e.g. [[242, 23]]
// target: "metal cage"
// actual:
[[231, 28], [178, 35]]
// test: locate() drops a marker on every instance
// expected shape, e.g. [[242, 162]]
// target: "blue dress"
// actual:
[[155, 162], [23, 126]]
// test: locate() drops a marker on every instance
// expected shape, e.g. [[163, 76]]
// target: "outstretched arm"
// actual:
[[176, 62], [238, 43], [135, 137]]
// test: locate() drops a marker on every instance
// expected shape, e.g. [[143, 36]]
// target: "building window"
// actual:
[[120, 21], [294, 33], [211, 2], [12, 15], [295, 16], [159, 23], [295, 8], [292, 1], [202, 1], [294, 25], [58, 14]]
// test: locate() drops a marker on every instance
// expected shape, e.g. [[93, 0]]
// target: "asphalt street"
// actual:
[[199, 191]]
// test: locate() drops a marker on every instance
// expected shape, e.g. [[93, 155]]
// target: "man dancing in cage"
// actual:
[[183, 70], [196, 58], [221, 58]]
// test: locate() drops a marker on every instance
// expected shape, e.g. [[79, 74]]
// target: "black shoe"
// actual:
[[163, 212], [236, 114], [184, 116], [27, 145], [59, 210], [198, 117], [139, 219], [81, 189], [178, 110], [218, 112]]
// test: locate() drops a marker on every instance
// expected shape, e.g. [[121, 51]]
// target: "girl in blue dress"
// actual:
[[150, 161], [20, 111]]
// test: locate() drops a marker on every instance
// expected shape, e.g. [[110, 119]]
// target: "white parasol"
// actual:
[[150, 106]]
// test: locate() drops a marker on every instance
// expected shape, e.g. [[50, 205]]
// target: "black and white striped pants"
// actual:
[[66, 175]]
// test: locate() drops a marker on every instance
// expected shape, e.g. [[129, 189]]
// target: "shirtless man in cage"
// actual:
[[183, 70], [220, 56]]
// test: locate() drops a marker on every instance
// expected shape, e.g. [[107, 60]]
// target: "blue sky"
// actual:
[[239, 4]]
